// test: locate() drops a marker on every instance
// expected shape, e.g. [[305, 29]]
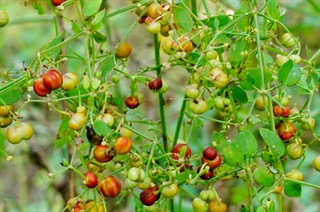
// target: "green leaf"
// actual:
[[247, 142], [86, 82], [231, 154], [244, 22], [10, 96], [273, 9], [75, 27], [101, 128], [65, 133], [98, 17], [292, 189], [252, 75], [235, 53], [91, 7], [289, 73], [239, 95], [183, 19], [273, 141], [106, 66], [99, 38], [263, 176]]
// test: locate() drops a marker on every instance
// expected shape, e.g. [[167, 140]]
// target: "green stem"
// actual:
[[180, 119], [161, 100], [302, 183]]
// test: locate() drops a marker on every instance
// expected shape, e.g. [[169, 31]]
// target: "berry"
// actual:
[[132, 103], [212, 163], [294, 151], [4, 18], [69, 81], [216, 206], [124, 50], [199, 205], [149, 197], [178, 148], [295, 175], [102, 153], [136, 174], [209, 153], [92, 206], [261, 103], [93, 137], [207, 175], [155, 84], [57, 2], [154, 27], [107, 118], [277, 111], [192, 91], [198, 106], [316, 163], [91, 179], [109, 186], [169, 191], [77, 121], [122, 145], [285, 112], [218, 78], [5, 121], [52, 79], [5, 110], [287, 40], [40, 89], [308, 124]]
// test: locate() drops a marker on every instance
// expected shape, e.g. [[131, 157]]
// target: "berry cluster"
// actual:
[[211, 159]]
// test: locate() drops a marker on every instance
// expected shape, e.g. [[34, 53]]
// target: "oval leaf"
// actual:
[[289, 73], [292, 189], [183, 19], [231, 154], [101, 128], [273, 141], [263, 176], [247, 142], [239, 95], [91, 7], [10, 96]]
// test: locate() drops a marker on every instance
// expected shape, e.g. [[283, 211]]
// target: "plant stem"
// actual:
[[180, 119], [160, 96]]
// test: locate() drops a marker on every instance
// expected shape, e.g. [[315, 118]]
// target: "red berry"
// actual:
[[148, 197], [285, 112], [132, 103], [155, 84], [40, 89], [277, 111], [209, 153], [102, 153], [212, 163], [122, 145], [109, 186], [91, 179], [52, 79], [178, 148], [206, 176], [57, 2]]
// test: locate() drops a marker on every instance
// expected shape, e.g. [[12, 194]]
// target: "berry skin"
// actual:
[[77, 121], [57, 2], [93, 207], [132, 103], [199, 205], [294, 151], [260, 104], [286, 130], [295, 175], [122, 145], [102, 153], [154, 27], [218, 78], [169, 191], [198, 106], [5, 110], [13, 135], [136, 174], [206, 176], [52, 79], [287, 40], [91, 179], [192, 91], [149, 197], [4, 18], [212, 163], [178, 148], [109, 186], [308, 124], [155, 84], [316, 163], [285, 112], [216, 206], [277, 111], [26, 130], [40, 89], [69, 81], [5, 121], [124, 50], [209, 153]]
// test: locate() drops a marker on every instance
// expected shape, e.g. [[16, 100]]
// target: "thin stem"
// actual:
[[180, 119], [160, 96]]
